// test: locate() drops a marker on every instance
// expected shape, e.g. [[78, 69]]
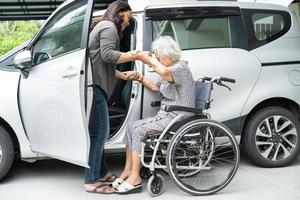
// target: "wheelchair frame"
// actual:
[[205, 98]]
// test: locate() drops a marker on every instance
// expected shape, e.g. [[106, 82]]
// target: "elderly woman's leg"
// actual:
[[134, 178], [137, 134], [127, 168]]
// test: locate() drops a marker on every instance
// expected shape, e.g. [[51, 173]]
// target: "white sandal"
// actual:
[[116, 183], [127, 188]]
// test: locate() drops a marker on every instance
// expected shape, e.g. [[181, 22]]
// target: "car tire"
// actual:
[[6, 152], [271, 137]]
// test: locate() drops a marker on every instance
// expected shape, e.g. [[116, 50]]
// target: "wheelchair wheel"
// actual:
[[203, 157], [145, 173], [155, 185]]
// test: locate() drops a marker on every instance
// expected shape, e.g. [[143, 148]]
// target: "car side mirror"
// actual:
[[23, 62], [40, 57]]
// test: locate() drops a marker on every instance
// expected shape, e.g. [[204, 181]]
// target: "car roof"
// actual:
[[155, 4]]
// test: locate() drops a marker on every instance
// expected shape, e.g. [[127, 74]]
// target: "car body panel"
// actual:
[[9, 110], [238, 64], [58, 129], [270, 53], [267, 86]]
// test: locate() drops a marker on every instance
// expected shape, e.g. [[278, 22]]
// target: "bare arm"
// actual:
[[126, 57], [147, 82], [163, 71], [120, 75], [134, 55]]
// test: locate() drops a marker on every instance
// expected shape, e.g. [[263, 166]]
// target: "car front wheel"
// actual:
[[6, 152], [272, 137]]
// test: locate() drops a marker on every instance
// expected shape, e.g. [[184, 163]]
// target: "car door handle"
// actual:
[[135, 90], [70, 72]]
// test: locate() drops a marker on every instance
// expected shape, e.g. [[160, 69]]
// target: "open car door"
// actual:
[[52, 97]]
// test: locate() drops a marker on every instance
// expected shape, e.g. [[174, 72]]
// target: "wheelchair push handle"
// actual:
[[219, 81], [230, 80]]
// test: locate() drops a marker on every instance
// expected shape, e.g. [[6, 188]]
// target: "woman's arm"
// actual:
[[120, 75], [108, 42], [134, 55], [147, 82], [163, 71]]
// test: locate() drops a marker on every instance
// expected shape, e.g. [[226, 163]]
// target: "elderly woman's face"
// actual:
[[163, 59], [126, 18]]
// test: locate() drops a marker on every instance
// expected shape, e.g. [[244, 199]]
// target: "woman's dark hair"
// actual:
[[112, 14]]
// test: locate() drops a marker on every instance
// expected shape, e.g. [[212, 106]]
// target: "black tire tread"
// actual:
[[248, 146], [8, 153]]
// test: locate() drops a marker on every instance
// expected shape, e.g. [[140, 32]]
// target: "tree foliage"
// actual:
[[13, 33]]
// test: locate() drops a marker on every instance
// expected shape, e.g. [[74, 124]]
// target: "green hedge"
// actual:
[[13, 33]]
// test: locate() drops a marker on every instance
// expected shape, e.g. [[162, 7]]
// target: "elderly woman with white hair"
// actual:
[[176, 86]]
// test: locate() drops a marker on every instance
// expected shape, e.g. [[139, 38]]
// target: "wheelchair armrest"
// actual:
[[155, 103], [182, 108]]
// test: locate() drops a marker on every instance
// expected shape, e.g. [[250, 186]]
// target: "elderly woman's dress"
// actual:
[[179, 93]]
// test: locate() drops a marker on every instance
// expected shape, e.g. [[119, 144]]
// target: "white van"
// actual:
[[45, 100]]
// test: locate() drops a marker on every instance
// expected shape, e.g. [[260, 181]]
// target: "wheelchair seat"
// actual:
[[173, 129], [202, 93]]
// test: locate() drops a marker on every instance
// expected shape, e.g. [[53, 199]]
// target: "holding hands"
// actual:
[[147, 58], [133, 75], [143, 56], [153, 61]]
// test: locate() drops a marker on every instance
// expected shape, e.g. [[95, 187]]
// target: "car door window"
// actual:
[[264, 26], [195, 33], [267, 25], [61, 35]]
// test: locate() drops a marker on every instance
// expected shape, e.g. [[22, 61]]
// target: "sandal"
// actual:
[[116, 183], [101, 189], [108, 178], [127, 188]]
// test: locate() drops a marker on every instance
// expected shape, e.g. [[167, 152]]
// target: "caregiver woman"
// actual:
[[105, 54]]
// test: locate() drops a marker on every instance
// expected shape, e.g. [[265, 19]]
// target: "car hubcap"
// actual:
[[276, 138], [0, 153]]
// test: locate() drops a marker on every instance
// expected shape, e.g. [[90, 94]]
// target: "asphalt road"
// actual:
[[56, 180]]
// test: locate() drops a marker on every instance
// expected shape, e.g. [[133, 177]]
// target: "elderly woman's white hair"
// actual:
[[167, 47]]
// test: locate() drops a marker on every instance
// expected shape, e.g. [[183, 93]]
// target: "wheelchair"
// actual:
[[200, 155]]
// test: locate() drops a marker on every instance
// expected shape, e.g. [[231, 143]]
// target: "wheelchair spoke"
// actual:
[[203, 157]]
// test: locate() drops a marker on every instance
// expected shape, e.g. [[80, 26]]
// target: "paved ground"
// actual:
[[56, 180]]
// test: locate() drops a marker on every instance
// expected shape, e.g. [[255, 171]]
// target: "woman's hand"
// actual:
[[132, 75], [143, 56], [153, 61], [134, 52]]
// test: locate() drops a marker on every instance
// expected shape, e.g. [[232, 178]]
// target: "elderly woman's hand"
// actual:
[[143, 56], [131, 75], [153, 61]]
